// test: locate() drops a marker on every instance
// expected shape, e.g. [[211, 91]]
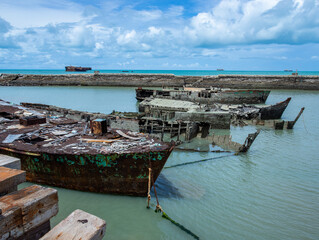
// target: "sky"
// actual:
[[162, 34]]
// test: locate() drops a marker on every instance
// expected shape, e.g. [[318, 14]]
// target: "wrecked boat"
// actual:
[[205, 96], [219, 114], [77, 69], [77, 155], [261, 112]]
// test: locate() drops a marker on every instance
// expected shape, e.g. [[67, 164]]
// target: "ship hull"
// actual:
[[207, 97], [124, 174], [77, 69], [274, 111]]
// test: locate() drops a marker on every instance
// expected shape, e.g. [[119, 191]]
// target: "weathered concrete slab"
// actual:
[[9, 162], [310, 82], [78, 225], [26, 209], [10, 179]]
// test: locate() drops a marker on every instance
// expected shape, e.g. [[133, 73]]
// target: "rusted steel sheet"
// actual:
[[225, 141], [26, 121], [275, 111]]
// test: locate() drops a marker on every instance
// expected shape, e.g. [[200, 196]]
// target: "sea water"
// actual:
[[270, 192], [175, 72]]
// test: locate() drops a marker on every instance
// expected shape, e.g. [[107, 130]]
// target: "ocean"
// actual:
[[271, 192], [175, 72]]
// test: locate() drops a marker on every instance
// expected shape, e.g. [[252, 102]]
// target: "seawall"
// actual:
[[168, 80]]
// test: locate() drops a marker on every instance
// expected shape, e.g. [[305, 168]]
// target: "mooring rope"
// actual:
[[303, 120], [198, 161], [164, 215], [149, 187]]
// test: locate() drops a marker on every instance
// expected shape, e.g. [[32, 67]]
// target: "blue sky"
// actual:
[[162, 34]]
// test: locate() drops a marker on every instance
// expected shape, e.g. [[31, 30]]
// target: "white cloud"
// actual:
[[149, 15], [232, 29], [36, 13], [127, 38], [255, 21]]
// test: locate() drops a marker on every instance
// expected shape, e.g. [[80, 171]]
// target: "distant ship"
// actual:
[[287, 70], [77, 69], [220, 69]]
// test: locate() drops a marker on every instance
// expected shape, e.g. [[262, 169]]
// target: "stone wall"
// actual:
[[167, 80]]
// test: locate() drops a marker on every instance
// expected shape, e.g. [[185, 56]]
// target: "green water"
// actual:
[[272, 192]]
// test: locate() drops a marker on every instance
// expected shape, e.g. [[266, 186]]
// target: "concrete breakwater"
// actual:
[[302, 82]]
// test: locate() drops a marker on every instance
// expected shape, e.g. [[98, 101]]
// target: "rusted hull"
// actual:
[[206, 97], [274, 111], [125, 174]]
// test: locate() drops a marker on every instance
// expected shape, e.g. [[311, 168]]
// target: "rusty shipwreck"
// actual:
[[71, 154], [205, 95], [77, 69]]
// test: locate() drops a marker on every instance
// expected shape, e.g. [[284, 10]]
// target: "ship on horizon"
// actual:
[[77, 69]]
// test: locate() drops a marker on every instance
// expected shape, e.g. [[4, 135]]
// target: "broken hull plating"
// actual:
[[274, 111], [124, 174], [207, 97]]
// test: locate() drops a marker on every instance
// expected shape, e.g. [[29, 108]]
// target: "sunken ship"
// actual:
[[79, 155], [205, 96]]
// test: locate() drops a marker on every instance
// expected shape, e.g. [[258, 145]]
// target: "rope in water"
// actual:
[[198, 161], [303, 120], [164, 215]]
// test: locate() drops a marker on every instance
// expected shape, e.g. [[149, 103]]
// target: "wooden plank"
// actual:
[[37, 232], [10, 179], [11, 223], [78, 225], [37, 205], [9, 162]]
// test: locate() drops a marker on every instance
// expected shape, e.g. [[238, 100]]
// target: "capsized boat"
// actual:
[[206, 96], [63, 153]]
